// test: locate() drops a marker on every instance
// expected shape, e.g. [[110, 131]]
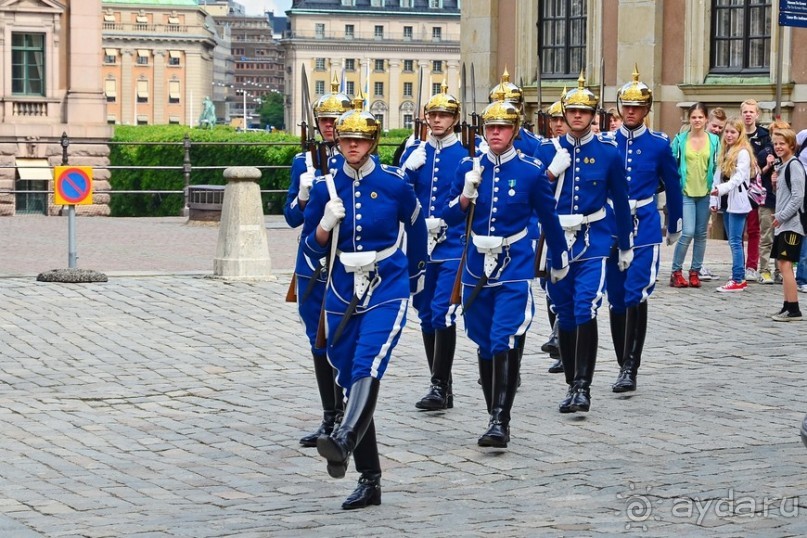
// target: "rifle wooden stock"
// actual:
[[424, 130], [456, 291], [291, 293], [605, 120], [322, 158], [320, 341]]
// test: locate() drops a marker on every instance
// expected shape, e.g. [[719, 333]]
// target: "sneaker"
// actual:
[[706, 275], [787, 316], [802, 288], [765, 277], [777, 277], [751, 275], [677, 280], [733, 286], [694, 279]]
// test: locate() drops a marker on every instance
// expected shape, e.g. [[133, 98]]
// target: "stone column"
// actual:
[[158, 99], [128, 88], [85, 100], [242, 251], [394, 113], [639, 41]]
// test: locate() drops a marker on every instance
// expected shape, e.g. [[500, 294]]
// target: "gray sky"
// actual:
[[258, 7]]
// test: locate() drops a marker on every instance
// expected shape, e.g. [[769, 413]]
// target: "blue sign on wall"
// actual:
[[793, 13]]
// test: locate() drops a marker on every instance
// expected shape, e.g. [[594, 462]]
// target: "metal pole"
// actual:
[[186, 171], [244, 93], [779, 54], [71, 236]]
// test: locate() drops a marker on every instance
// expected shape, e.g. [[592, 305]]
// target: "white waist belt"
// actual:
[[361, 264], [573, 223], [491, 246]]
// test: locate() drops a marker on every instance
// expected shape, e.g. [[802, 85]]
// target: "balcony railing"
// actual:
[[146, 28], [426, 37]]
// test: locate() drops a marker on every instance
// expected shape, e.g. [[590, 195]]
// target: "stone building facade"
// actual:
[[716, 52], [379, 45], [50, 57]]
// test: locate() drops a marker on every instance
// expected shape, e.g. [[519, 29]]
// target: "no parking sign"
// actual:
[[72, 185]]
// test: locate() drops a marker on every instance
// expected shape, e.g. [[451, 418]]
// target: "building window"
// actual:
[[563, 37], [376, 3], [142, 91], [173, 92], [407, 89], [173, 120], [406, 3], [378, 65], [349, 3], [378, 32], [319, 64], [319, 30], [408, 121], [409, 66], [437, 66], [110, 56], [408, 33], [350, 64], [111, 90], [319, 87], [173, 57], [378, 89], [110, 119], [437, 33], [436, 4], [28, 64], [436, 88], [350, 88], [741, 36], [142, 120], [350, 31], [142, 57]]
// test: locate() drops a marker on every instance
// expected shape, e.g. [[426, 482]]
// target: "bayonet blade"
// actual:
[[308, 113], [464, 93]]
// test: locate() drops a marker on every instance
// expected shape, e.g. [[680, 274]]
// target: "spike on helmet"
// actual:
[[358, 123], [512, 93], [501, 112], [581, 97], [332, 105], [443, 102], [635, 93]]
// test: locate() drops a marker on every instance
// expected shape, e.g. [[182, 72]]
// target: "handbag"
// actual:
[[756, 191]]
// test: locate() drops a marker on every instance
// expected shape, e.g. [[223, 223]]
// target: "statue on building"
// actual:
[[207, 119]]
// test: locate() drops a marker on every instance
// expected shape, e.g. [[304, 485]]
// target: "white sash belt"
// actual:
[[361, 264], [492, 245], [437, 232], [573, 223]]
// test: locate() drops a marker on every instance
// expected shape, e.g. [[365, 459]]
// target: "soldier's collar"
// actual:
[[585, 139], [633, 133], [365, 170], [439, 143], [508, 155]]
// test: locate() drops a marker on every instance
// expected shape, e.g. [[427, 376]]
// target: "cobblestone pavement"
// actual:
[[171, 405]]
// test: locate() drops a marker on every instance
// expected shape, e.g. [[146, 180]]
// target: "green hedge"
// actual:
[[232, 149]]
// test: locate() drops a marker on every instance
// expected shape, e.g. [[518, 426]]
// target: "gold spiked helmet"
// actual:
[[635, 93], [358, 123], [443, 102], [332, 105], [512, 93], [580, 98]]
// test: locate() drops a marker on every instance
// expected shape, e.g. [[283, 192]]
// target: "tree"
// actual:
[[272, 110]]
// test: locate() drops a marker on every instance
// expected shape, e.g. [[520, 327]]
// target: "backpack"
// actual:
[[803, 210], [756, 191]]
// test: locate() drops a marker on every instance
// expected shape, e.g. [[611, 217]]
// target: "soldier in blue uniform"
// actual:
[[502, 190], [310, 278], [363, 206], [430, 166], [596, 175], [647, 158], [526, 141], [545, 153]]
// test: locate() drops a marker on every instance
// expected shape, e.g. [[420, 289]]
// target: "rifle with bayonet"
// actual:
[[542, 118], [420, 126], [528, 125], [469, 135], [605, 117]]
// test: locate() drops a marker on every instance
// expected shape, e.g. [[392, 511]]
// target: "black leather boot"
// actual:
[[486, 379], [566, 344], [337, 447], [636, 331], [439, 395], [505, 380], [557, 366], [368, 491], [328, 391], [551, 345], [585, 360], [618, 325], [521, 341]]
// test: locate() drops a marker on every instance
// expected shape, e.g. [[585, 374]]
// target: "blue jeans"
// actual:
[[801, 270], [695, 222], [734, 223]]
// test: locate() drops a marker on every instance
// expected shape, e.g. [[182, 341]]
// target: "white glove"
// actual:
[[560, 162], [483, 146], [556, 275], [416, 159], [306, 182], [625, 259], [672, 238], [334, 212], [472, 180]]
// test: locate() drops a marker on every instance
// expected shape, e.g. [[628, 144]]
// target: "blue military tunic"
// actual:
[[432, 184], [526, 142], [647, 157], [595, 176], [377, 201], [513, 188], [309, 296]]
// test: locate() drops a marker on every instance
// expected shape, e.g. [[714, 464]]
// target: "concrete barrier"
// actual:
[[242, 251]]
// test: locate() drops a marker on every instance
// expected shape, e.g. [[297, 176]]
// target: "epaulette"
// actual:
[[394, 170], [606, 138], [529, 159], [659, 134], [547, 142], [300, 155]]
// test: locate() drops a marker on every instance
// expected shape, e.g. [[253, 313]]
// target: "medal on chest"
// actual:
[[512, 184]]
